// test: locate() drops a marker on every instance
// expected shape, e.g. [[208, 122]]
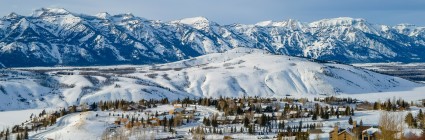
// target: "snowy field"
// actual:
[[10, 118], [414, 94], [410, 71]]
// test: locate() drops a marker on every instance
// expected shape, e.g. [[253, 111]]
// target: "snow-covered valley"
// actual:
[[410, 71], [240, 72], [235, 73]]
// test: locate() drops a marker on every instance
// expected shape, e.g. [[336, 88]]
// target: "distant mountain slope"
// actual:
[[52, 36], [235, 73]]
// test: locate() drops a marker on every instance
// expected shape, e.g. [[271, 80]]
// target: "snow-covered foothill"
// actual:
[[235, 73]]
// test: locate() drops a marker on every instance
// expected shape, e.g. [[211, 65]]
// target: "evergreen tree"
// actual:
[[420, 114], [6, 135], [170, 124], [208, 122], [314, 116], [350, 121], [214, 122], [410, 121], [326, 115], [389, 105], [347, 111], [204, 121], [282, 125], [246, 122], [93, 106], [25, 133], [300, 126], [289, 129], [142, 121], [421, 119], [376, 106], [165, 123], [337, 113]]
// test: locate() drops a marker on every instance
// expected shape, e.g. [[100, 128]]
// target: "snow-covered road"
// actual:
[[60, 124]]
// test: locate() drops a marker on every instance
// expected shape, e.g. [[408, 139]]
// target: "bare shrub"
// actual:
[[391, 125]]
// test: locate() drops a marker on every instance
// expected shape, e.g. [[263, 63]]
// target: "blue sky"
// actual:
[[390, 12]]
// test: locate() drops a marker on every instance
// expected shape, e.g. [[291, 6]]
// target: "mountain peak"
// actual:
[[407, 29], [346, 19], [193, 20], [196, 22], [289, 24], [50, 11], [340, 21], [125, 16], [12, 15], [405, 25], [103, 15], [264, 23]]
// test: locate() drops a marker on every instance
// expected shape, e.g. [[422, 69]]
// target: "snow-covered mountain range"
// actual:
[[54, 36], [235, 73]]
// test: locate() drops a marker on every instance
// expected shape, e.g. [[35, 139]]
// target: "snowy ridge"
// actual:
[[235, 73], [196, 22], [55, 36]]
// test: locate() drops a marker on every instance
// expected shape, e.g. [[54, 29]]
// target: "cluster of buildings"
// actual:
[[355, 132]]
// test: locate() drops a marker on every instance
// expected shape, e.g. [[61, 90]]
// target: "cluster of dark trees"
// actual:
[[333, 100], [289, 131], [417, 121], [22, 136], [298, 133], [296, 130], [5, 134], [326, 112], [124, 105], [263, 124], [167, 123], [210, 122], [394, 105]]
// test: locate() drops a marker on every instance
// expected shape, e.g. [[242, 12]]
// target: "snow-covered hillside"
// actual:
[[53, 36], [238, 72]]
